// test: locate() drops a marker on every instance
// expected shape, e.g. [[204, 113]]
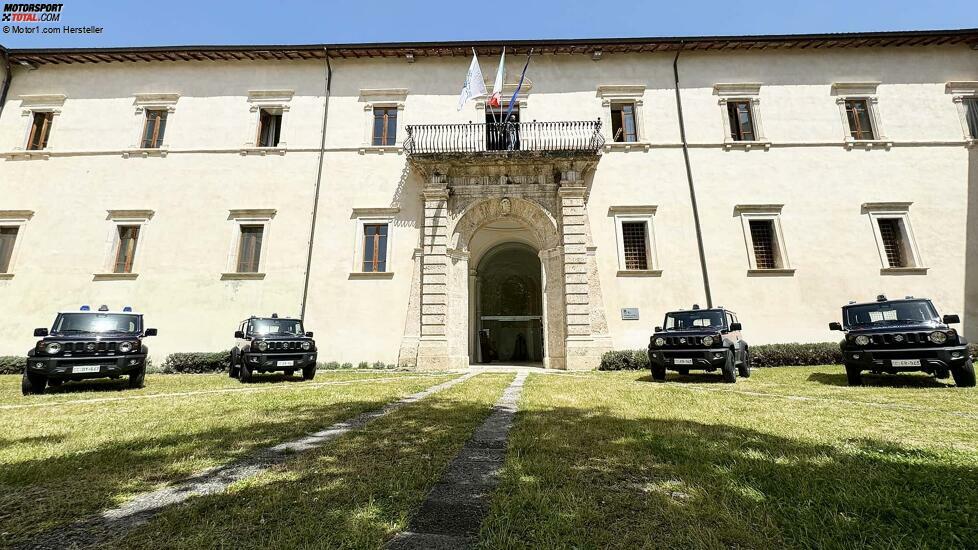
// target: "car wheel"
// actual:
[[964, 376], [54, 383], [137, 379], [32, 384], [244, 373], [729, 370], [744, 368], [233, 368], [308, 373], [854, 375], [289, 372], [658, 372]]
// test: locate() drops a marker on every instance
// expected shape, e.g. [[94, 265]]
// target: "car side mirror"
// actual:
[[309, 334], [40, 332], [150, 332], [834, 325], [658, 329], [951, 319], [239, 334], [735, 327]]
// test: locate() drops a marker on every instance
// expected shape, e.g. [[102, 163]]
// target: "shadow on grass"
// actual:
[[97, 385], [587, 478], [910, 380], [45, 492], [691, 378]]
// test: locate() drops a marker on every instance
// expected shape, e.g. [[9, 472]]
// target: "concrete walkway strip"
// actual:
[[254, 389], [452, 513], [139, 510]]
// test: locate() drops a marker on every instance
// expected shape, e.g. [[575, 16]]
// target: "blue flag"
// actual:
[[512, 100]]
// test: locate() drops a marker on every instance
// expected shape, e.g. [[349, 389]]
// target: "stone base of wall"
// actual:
[[584, 353]]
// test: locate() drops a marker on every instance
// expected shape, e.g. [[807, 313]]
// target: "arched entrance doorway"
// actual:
[[509, 305]]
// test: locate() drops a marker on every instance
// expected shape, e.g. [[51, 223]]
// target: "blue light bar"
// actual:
[[127, 308], [86, 308]]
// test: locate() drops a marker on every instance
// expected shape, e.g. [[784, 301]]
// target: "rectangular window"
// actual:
[[125, 251], [741, 121], [8, 236], [623, 127], [971, 113], [894, 239], [269, 128], [375, 247], [154, 128], [765, 242], [635, 242], [385, 125], [860, 119], [40, 131], [249, 248]]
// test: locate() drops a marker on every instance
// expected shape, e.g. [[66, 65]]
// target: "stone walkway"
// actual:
[[139, 510], [454, 509]]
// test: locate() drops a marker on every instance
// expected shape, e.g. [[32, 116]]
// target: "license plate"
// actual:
[[906, 362], [285, 363], [81, 369], [684, 361]]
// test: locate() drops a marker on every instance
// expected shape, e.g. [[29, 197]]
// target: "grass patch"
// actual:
[[354, 493], [612, 460], [76, 454]]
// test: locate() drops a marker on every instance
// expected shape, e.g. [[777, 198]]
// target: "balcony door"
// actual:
[[502, 135]]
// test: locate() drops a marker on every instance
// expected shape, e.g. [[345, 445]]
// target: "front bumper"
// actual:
[[930, 358], [85, 367], [705, 358], [278, 361]]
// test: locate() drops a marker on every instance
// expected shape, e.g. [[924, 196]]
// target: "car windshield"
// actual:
[[890, 313], [96, 323], [263, 327], [692, 320]]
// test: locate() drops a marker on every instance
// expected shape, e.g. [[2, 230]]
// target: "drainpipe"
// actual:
[[689, 178], [319, 181], [7, 77]]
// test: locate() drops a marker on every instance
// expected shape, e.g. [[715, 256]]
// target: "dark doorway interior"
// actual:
[[502, 135], [510, 305]]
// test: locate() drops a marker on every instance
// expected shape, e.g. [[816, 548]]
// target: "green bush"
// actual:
[[12, 364], [197, 363], [769, 355], [974, 350]]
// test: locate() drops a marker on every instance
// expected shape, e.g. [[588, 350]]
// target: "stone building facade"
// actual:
[[777, 176]]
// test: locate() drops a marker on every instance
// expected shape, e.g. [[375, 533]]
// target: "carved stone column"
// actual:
[[433, 345], [554, 328]]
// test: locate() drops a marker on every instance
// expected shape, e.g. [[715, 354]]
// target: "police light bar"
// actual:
[[696, 306], [85, 308], [127, 309], [881, 298], [103, 307]]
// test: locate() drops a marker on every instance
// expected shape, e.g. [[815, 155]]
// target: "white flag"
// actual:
[[497, 87], [474, 85]]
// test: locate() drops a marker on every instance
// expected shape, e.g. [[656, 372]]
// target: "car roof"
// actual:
[[102, 312], [271, 318], [886, 302], [701, 309]]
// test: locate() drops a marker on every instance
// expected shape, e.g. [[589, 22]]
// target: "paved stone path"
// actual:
[[454, 509], [142, 508]]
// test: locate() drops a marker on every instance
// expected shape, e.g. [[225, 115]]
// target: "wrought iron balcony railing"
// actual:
[[569, 136]]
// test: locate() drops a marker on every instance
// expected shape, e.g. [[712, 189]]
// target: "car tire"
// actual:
[[964, 376], [658, 372], [137, 379], [233, 369], [32, 384], [291, 372], [743, 369], [55, 382], [854, 375], [244, 373], [308, 373], [729, 371]]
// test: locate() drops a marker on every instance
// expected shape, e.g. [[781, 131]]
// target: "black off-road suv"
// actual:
[[892, 336], [266, 344], [87, 344], [707, 339]]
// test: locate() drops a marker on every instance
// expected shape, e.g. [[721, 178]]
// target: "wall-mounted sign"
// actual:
[[629, 314]]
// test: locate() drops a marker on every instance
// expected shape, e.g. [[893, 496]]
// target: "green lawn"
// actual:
[[77, 454]]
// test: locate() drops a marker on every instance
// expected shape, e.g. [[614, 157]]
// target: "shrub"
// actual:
[[974, 350], [197, 363], [769, 355], [12, 364], [332, 365], [620, 360]]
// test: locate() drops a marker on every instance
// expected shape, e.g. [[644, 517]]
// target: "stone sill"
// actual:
[[262, 151], [6, 276], [380, 149], [372, 275], [143, 153], [904, 271], [868, 144], [40, 154], [115, 276], [639, 272], [242, 276], [770, 272], [746, 145], [627, 146]]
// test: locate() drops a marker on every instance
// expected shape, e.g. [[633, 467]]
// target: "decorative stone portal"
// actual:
[[479, 209]]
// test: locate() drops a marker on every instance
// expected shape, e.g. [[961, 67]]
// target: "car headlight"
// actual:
[[938, 337], [708, 341], [862, 340], [125, 347], [659, 342], [262, 345], [307, 345], [52, 348]]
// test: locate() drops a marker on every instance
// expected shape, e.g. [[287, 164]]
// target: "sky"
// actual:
[[182, 22]]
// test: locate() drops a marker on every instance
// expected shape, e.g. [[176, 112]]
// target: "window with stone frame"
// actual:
[[154, 128], [40, 130], [741, 120], [250, 248], [385, 126], [623, 124], [8, 237], [125, 250], [635, 242], [269, 127], [860, 118], [375, 247], [764, 239]]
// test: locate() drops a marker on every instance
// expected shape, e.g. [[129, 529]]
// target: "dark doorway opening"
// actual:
[[510, 305], [502, 135]]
